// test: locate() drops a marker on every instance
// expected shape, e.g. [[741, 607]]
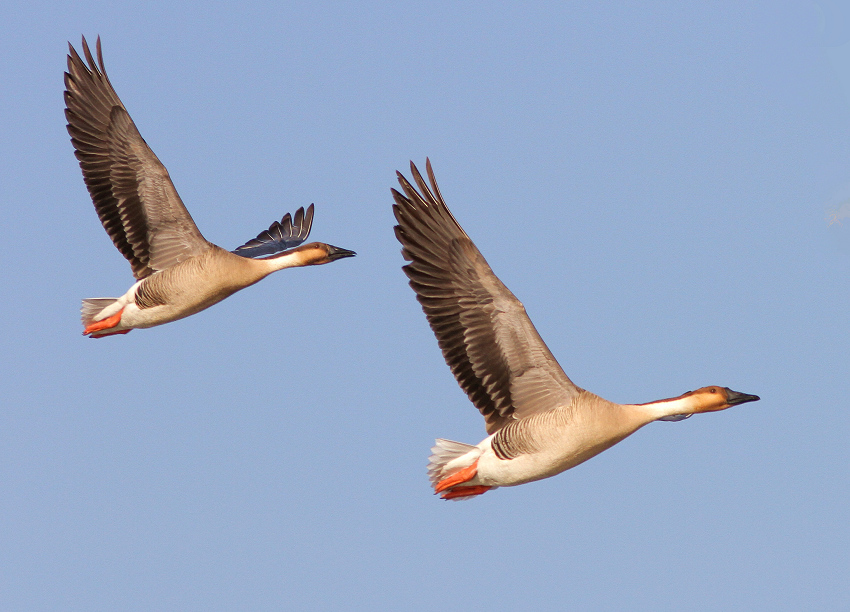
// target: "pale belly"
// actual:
[[549, 461], [182, 302]]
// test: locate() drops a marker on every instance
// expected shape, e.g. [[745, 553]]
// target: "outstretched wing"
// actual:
[[130, 188], [486, 337], [280, 236]]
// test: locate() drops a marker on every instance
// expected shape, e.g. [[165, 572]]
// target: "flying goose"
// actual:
[[178, 272], [539, 422]]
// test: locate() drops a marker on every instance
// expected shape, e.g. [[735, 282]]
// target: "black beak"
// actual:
[[335, 253], [733, 398]]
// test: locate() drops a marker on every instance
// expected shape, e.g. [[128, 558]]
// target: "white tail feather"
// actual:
[[444, 452], [93, 307]]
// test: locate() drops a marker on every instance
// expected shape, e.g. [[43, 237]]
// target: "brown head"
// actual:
[[317, 253], [711, 399], [706, 399]]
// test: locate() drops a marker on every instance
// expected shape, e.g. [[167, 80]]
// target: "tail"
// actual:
[[93, 307], [448, 458]]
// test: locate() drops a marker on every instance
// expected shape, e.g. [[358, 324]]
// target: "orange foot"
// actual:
[[104, 324], [118, 333], [465, 491], [467, 473]]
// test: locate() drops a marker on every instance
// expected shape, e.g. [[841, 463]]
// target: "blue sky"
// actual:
[[654, 182]]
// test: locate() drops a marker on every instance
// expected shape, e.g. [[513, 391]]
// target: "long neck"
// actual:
[[290, 259], [652, 411]]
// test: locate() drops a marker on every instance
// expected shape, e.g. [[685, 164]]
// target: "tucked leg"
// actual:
[[115, 333], [104, 323], [463, 475], [465, 492]]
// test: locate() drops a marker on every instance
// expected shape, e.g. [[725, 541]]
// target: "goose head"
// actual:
[[321, 253], [317, 253], [712, 399], [705, 399]]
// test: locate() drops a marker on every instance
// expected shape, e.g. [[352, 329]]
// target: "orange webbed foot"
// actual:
[[105, 324], [464, 475], [465, 492], [116, 333]]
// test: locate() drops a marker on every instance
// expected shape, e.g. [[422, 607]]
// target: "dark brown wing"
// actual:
[[486, 337], [130, 188], [281, 235]]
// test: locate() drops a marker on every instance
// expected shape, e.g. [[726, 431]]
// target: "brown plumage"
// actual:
[[488, 341], [130, 188]]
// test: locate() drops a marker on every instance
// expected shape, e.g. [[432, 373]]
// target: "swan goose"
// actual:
[[539, 422], [178, 272]]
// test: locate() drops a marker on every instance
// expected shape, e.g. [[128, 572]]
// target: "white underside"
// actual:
[[495, 472], [133, 317], [559, 449]]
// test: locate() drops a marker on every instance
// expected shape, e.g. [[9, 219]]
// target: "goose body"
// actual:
[[178, 272], [539, 422]]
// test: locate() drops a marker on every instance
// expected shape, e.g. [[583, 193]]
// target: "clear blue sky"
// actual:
[[653, 181]]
